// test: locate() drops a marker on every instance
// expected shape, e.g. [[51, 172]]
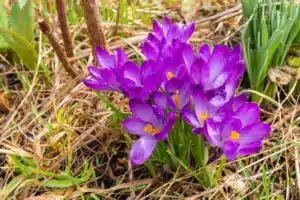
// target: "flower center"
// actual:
[[152, 131], [170, 75], [176, 99], [234, 135], [203, 116]]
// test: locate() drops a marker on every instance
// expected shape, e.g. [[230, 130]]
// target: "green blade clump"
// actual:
[[271, 28]]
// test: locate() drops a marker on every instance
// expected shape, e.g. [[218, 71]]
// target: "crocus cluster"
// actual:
[[175, 82]]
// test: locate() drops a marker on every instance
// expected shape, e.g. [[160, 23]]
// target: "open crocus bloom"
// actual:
[[151, 124], [200, 110], [176, 95], [106, 76], [240, 133], [218, 72], [234, 103], [137, 81]]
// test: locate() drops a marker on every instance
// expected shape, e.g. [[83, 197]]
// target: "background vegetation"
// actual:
[[59, 140]]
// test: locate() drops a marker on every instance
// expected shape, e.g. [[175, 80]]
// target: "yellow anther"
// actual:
[[170, 75], [203, 116], [176, 99], [234, 135], [152, 131]]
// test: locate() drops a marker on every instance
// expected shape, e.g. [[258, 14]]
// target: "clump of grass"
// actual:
[[271, 29]]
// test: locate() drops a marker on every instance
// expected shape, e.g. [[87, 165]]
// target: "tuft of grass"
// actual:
[[29, 173], [271, 29]]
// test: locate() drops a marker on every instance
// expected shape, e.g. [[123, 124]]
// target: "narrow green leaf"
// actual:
[[22, 3], [3, 24], [185, 166], [119, 114], [58, 183], [266, 183], [11, 186], [22, 20], [264, 33], [22, 47], [28, 162], [267, 54], [198, 150], [151, 168], [3, 16], [246, 173], [293, 34], [160, 155], [248, 8]]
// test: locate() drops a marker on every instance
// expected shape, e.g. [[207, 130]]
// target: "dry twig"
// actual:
[[95, 31], [63, 23], [118, 187], [221, 14], [57, 48]]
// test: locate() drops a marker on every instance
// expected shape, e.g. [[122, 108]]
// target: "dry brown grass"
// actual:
[[53, 121]]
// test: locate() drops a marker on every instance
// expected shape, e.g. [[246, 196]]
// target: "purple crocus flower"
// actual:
[[151, 124], [137, 81], [116, 73], [165, 35], [218, 72], [176, 95], [106, 75], [234, 103], [199, 110], [240, 133], [173, 69]]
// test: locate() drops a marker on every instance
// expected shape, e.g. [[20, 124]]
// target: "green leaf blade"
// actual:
[[23, 48], [22, 20]]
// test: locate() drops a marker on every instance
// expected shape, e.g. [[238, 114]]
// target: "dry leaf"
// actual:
[[278, 76], [5, 103], [46, 197], [233, 22]]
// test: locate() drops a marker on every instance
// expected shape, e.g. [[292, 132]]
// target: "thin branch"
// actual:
[[63, 23], [92, 18], [118, 18], [219, 15], [57, 48]]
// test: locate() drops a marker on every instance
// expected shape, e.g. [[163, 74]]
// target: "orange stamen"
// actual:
[[203, 116], [152, 131], [170, 75], [234, 135], [176, 99]]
